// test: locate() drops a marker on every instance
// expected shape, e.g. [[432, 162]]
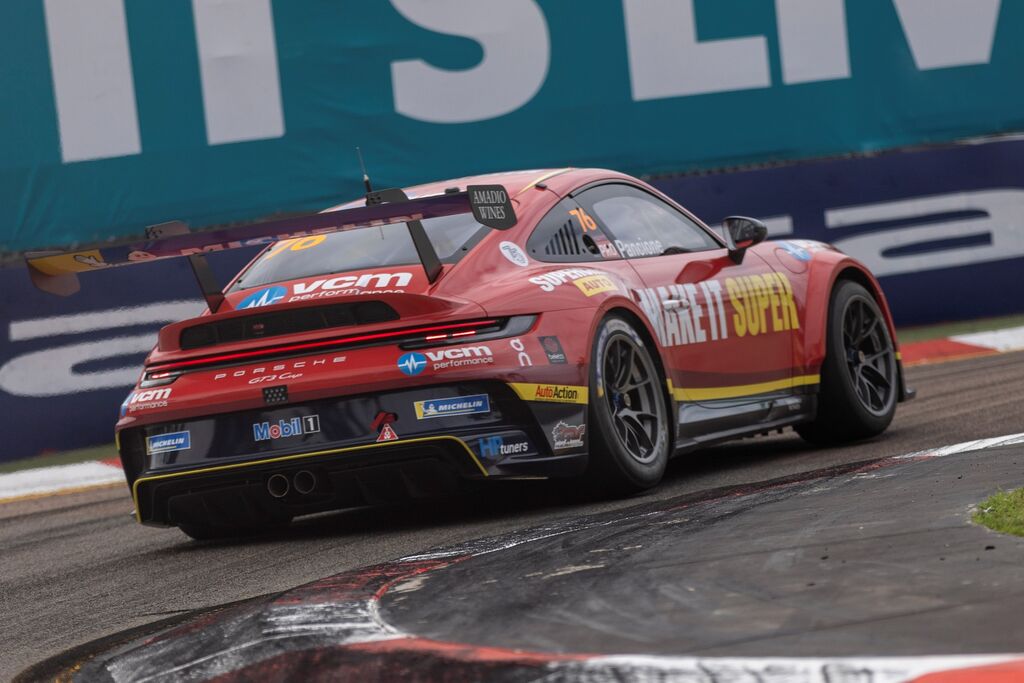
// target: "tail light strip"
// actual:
[[414, 337]]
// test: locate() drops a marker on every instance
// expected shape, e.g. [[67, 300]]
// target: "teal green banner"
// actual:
[[118, 114]]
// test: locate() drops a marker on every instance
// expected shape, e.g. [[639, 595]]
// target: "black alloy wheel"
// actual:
[[629, 442], [631, 390], [870, 357], [860, 376]]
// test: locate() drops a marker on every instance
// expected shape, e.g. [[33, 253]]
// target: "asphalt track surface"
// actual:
[[76, 568]]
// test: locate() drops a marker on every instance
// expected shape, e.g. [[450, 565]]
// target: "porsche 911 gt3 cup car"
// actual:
[[531, 324]]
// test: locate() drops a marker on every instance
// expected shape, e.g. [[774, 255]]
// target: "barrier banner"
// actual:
[[943, 228], [124, 113]]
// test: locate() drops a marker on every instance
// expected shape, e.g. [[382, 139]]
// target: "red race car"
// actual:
[[566, 323]]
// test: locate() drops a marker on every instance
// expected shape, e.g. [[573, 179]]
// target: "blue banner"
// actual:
[[122, 113], [944, 228]]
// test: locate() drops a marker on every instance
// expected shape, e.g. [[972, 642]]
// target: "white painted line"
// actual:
[[802, 670], [966, 447], [1008, 339], [58, 478]]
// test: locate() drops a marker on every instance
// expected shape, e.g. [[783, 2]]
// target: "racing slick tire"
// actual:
[[629, 445], [859, 378]]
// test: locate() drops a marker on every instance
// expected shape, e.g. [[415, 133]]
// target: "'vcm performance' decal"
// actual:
[[758, 304]]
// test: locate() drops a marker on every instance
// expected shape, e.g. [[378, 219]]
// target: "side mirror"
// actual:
[[741, 233]]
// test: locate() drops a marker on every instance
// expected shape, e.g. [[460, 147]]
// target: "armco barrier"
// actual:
[[943, 227]]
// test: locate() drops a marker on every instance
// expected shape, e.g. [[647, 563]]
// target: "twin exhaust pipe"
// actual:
[[303, 482]]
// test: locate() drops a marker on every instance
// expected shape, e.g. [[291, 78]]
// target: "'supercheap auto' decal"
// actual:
[[587, 280]]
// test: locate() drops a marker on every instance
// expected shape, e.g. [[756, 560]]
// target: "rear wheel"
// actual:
[[859, 377], [629, 444]]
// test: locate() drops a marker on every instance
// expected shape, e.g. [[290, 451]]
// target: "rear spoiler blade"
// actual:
[[57, 272]]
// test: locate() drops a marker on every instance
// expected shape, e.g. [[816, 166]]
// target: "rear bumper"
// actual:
[[345, 477], [218, 467]]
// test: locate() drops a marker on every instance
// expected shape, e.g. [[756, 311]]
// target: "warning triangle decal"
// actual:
[[387, 434]]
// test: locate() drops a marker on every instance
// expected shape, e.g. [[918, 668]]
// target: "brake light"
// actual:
[[411, 334], [158, 379]]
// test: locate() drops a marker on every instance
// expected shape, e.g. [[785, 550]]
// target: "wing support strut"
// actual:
[[424, 248]]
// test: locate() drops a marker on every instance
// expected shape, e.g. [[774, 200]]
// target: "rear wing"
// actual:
[[57, 272]]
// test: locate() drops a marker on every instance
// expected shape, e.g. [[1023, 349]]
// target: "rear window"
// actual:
[[339, 252]]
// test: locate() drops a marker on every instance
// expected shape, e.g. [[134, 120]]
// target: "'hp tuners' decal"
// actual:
[[497, 447], [282, 429]]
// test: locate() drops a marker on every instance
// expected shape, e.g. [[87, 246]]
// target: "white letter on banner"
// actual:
[[1003, 225], [52, 370], [514, 38], [92, 79], [812, 39], [667, 60], [945, 33], [238, 70]]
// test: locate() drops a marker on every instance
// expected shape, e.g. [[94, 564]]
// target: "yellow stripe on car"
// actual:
[[544, 177], [739, 391]]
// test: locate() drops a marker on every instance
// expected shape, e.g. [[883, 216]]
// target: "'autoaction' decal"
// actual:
[[456, 405], [166, 443], [553, 393]]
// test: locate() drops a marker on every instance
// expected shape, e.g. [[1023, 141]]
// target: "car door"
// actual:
[[727, 327]]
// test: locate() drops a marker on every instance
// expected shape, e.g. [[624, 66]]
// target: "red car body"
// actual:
[[389, 404]]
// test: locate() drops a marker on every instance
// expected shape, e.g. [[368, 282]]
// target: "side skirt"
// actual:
[[709, 423]]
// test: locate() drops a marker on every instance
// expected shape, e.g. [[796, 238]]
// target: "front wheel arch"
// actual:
[[819, 296]]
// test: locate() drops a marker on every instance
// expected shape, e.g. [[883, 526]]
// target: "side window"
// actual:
[[642, 225], [568, 234]]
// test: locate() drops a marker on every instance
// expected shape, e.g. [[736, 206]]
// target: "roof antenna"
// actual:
[[366, 176]]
